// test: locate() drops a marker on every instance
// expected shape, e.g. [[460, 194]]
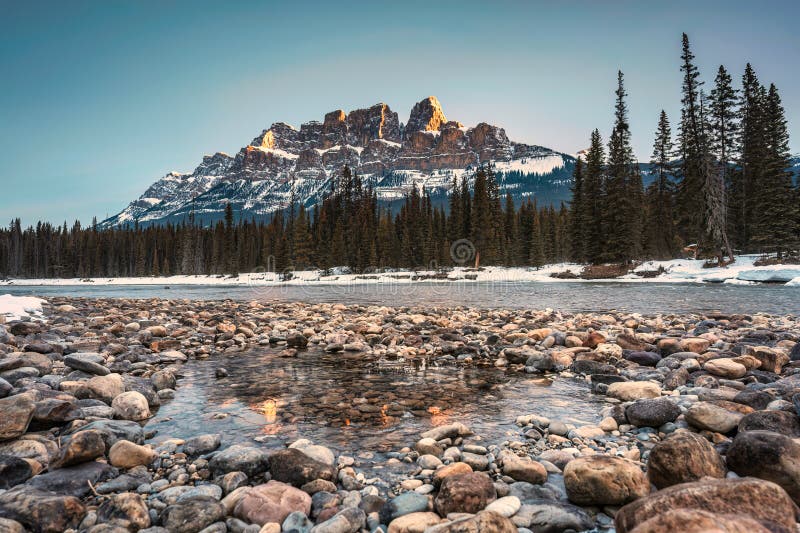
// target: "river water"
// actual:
[[647, 298], [358, 406]]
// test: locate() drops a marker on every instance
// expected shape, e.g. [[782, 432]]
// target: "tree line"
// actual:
[[723, 185]]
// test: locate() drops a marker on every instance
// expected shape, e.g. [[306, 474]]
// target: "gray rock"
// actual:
[[251, 461], [193, 515], [93, 363], [546, 516], [202, 444], [652, 412]]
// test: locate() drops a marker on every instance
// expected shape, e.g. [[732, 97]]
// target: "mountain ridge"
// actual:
[[284, 163]]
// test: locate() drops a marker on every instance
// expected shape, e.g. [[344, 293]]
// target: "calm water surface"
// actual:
[[354, 405]]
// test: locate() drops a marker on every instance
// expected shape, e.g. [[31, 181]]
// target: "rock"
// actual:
[[106, 388], [297, 522], [465, 493], [238, 458], [643, 358], [17, 415], [54, 412], [694, 344], [41, 511], [522, 468], [485, 521], [349, 520], [131, 405], [506, 506], [11, 526], [771, 360], [127, 510], [316, 452], [126, 454], [767, 455], [426, 115], [81, 447], [114, 430], [318, 485], [546, 516], [294, 467], [428, 447], [719, 416], [163, 379], [414, 523], [758, 400], [652, 412], [13, 471], [696, 521], [202, 444], [628, 391], [450, 470], [91, 363], [73, 480], [683, 457], [782, 422], [271, 502], [406, 503], [725, 368], [604, 480], [192, 516], [761, 500], [449, 431], [430, 462], [5, 388]]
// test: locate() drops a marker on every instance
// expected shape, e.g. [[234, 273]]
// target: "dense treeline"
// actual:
[[347, 228], [726, 186], [723, 185]]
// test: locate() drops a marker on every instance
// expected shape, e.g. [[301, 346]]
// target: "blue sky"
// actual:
[[99, 99]]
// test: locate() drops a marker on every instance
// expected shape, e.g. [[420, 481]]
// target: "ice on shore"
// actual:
[[17, 307]]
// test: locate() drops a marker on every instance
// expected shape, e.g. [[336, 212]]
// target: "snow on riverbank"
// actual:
[[742, 272], [17, 307]]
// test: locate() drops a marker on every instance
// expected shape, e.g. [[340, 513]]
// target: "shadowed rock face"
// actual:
[[282, 160]]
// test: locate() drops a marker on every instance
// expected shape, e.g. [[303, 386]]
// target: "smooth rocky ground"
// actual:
[[699, 432]]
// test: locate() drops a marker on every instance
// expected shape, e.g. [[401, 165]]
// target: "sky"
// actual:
[[100, 99]]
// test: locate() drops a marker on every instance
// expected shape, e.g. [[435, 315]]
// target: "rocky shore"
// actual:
[[698, 433]]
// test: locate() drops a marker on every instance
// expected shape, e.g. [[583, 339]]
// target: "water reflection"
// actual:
[[348, 403]]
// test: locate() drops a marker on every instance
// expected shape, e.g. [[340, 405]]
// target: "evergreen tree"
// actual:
[[659, 208], [578, 222], [774, 227], [594, 186]]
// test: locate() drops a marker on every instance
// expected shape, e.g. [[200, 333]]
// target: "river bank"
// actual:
[[745, 270], [684, 405]]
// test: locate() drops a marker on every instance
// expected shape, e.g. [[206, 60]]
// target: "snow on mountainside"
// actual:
[[283, 162]]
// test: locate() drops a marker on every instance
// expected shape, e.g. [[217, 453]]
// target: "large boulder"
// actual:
[[782, 422], [761, 500], [238, 458], [271, 502], [73, 480], [628, 391], [697, 521], [465, 493], [682, 457], [296, 468], [17, 413], [719, 415], [767, 455], [652, 412], [106, 388], [604, 480], [41, 511]]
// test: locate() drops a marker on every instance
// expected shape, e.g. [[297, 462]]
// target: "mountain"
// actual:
[[282, 163]]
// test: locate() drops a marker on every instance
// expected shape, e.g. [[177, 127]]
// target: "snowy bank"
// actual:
[[17, 307], [741, 272]]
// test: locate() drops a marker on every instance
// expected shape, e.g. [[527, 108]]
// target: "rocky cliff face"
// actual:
[[282, 162]]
